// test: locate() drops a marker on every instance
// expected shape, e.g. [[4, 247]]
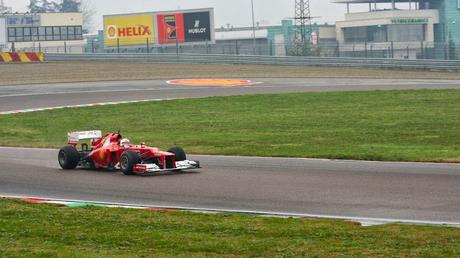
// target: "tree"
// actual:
[[45, 6], [65, 6], [88, 15], [68, 6], [49, 6], [42, 6], [35, 6]]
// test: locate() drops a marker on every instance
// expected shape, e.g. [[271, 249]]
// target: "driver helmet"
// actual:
[[125, 143]]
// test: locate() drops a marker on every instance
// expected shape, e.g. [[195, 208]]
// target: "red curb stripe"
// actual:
[[15, 57], [32, 200], [33, 57]]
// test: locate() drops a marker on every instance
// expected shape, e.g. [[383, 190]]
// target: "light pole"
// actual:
[[253, 28]]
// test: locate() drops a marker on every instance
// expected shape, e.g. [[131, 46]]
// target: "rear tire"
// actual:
[[68, 157], [179, 152], [127, 162]]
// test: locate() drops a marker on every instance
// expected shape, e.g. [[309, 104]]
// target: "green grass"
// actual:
[[42, 230], [419, 125]]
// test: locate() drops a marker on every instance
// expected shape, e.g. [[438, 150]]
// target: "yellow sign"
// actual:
[[130, 30]]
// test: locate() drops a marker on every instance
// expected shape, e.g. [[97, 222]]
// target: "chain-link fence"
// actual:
[[394, 50]]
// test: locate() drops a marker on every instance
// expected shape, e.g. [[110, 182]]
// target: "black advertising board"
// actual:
[[197, 26]]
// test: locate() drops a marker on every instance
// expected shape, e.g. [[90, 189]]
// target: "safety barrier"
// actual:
[[21, 57], [431, 64]]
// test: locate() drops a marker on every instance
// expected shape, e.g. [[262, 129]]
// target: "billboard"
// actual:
[[197, 26], [170, 28], [184, 27], [128, 30]]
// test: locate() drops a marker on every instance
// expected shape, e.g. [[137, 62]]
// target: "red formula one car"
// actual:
[[111, 151]]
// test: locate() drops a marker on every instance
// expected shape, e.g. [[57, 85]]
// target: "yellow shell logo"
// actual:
[[111, 31]]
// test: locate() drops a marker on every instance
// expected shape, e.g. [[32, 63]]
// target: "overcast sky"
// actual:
[[234, 12]]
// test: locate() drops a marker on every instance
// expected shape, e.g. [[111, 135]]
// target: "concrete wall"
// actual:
[[327, 32], [61, 19], [3, 40]]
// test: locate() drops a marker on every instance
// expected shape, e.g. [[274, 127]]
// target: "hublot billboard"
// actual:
[[197, 26]]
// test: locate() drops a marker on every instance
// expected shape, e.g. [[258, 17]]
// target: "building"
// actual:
[[401, 28], [277, 40], [47, 32]]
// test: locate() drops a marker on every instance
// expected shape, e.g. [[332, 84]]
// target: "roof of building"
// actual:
[[239, 35]]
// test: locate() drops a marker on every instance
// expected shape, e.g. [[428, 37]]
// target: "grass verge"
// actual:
[[419, 125], [43, 230]]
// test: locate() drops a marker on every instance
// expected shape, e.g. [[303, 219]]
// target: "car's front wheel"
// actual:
[[179, 153], [127, 162], [68, 157]]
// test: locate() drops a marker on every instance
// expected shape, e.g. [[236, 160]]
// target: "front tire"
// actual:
[[127, 162], [68, 157], [179, 152]]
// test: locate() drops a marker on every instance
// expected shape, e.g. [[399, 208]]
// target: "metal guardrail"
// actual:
[[428, 64]]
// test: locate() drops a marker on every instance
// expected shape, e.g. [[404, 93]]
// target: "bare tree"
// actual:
[[88, 12], [83, 6], [70, 6]]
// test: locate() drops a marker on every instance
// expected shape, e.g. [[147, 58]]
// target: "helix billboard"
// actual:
[[128, 30]]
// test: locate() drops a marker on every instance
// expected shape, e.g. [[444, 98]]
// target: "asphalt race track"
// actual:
[[69, 94], [406, 191], [400, 191]]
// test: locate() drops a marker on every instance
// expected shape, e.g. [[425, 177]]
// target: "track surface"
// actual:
[[411, 191], [342, 188], [68, 94]]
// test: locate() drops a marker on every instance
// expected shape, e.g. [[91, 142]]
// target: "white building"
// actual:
[[401, 28], [47, 32]]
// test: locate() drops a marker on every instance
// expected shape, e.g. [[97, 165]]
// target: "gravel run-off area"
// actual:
[[51, 72]]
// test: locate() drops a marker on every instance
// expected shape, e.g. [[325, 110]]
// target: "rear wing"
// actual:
[[75, 137]]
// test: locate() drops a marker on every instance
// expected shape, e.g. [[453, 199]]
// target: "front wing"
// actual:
[[148, 169]]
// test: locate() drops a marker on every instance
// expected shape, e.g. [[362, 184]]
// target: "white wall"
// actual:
[[73, 46], [327, 32], [3, 41], [61, 19]]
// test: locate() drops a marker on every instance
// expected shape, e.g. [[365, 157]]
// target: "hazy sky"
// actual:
[[234, 12]]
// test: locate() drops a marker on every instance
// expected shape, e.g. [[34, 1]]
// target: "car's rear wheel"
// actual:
[[68, 157], [127, 162], [179, 152]]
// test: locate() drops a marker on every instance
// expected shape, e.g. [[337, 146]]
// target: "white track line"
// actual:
[[83, 105], [158, 88], [364, 221], [102, 91]]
